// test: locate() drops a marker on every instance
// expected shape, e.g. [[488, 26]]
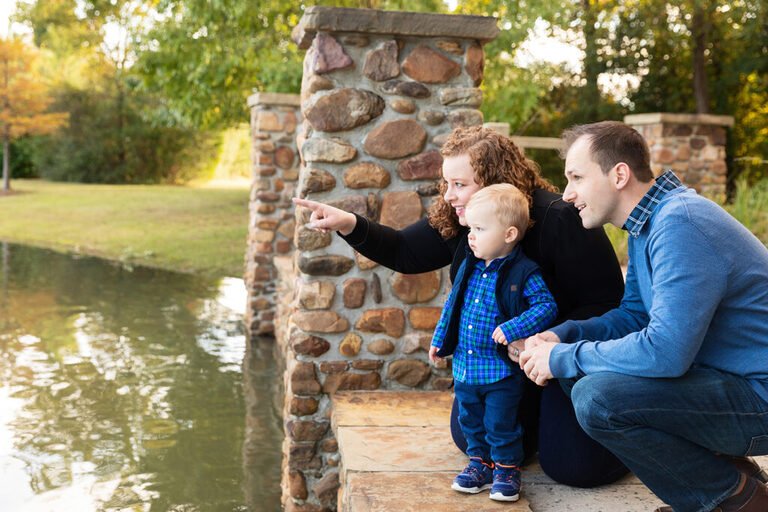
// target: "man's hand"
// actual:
[[326, 218], [534, 360], [433, 355], [515, 348], [498, 336]]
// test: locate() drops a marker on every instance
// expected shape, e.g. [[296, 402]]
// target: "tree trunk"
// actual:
[[699, 32], [6, 165], [591, 98]]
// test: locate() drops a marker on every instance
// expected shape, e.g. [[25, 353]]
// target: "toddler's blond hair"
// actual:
[[509, 204]]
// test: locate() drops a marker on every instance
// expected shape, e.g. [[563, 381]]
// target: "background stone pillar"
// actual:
[[692, 145], [381, 91], [274, 118]]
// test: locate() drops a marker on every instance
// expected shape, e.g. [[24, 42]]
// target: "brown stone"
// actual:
[[316, 83], [463, 96], [291, 174], [344, 109], [329, 445], [301, 430], [351, 381], [400, 209], [410, 89], [350, 345], [266, 171], [308, 345], [474, 61], [453, 47], [292, 506], [683, 153], [267, 223], [331, 367], [326, 488], [364, 263], [416, 341], [268, 197], [381, 347], [427, 189], [465, 117], [664, 156], [358, 40], [304, 380], [284, 157], [698, 142], [409, 372], [429, 66], [283, 246], [326, 265], [310, 240], [297, 485], [425, 166], [317, 294], [287, 228], [320, 321], [373, 206], [354, 292], [327, 150], [413, 288], [366, 175], [403, 106], [265, 208], [376, 288], [268, 122], [395, 139], [266, 146], [353, 204], [424, 318], [265, 158], [318, 180], [439, 139], [326, 54], [367, 364], [301, 406], [262, 236], [431, 117], [677, 130], [442, 383], [388, 320], [381, 63], [302, 456], [289, 122]]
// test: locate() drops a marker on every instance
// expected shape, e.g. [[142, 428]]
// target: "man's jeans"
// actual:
[[488, 419], [667, 431]]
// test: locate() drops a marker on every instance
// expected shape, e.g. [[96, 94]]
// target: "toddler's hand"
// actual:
[[433, 355], [498, 336]]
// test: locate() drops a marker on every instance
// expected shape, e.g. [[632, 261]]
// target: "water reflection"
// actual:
[[123, 390]]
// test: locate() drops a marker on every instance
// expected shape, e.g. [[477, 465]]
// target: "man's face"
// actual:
[[591, 192]]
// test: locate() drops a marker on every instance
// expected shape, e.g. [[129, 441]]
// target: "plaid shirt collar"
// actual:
[[642, 212]]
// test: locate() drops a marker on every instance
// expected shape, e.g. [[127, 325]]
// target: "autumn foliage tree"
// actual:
[[24, 99]]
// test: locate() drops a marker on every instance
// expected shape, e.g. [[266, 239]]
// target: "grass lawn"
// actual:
[[187, 229]]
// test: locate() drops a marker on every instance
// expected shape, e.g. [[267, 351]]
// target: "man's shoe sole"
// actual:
[[470, 490]]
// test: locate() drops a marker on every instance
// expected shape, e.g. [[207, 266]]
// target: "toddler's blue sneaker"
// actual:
[[476, 477], [506, 483]]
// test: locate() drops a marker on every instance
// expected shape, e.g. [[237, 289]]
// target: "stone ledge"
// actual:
[[666, 117], [394, 23], [273, 98]]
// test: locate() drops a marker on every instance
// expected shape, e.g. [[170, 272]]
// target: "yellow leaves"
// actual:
[[24, 98]]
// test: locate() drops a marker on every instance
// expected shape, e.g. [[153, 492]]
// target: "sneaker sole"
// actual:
[[470, 490], [500, 497]]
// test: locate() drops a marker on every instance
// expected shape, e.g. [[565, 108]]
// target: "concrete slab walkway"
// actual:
[[397, 455]]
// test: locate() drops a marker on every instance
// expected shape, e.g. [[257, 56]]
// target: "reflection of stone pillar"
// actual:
[[692, 145], [380, 93], [270, 230]]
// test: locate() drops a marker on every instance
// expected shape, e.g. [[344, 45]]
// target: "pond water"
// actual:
[[131, 390]]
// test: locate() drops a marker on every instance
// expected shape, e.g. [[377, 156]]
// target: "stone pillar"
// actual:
[[274, 118], [381, 91], [692, 145]]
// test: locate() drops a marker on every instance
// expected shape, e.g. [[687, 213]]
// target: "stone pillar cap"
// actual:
[[667, 117], [396, 23], [273, 98]]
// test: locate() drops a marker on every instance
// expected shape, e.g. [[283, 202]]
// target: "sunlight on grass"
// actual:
[[200, 230]]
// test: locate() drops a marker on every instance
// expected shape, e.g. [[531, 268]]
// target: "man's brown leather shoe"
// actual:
[[752, 498], [749, 467]]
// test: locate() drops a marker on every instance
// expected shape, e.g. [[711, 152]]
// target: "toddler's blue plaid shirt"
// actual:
[[475, 360]]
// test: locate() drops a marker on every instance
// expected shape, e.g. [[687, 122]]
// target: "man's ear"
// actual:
[[623, 175], [510, 235]]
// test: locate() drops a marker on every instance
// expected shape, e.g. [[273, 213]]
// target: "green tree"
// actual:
[[24, 99]]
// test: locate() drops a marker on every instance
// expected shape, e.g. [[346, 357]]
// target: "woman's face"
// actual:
[[460, 183]]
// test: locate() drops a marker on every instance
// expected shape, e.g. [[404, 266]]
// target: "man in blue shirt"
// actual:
[[498, 296], [675, 380]]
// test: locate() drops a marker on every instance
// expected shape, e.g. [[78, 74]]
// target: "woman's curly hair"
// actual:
[[495, 159]]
